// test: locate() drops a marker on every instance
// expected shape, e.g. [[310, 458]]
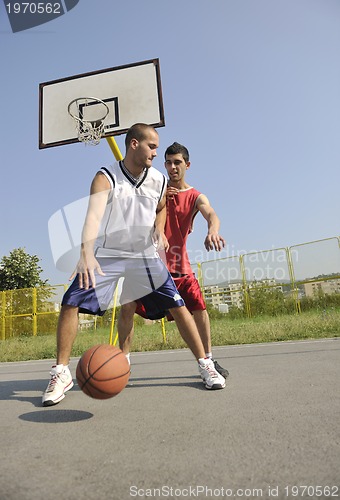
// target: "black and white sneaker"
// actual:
[[210, 376]]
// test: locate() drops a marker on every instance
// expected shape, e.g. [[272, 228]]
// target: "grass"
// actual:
[[308, 325]]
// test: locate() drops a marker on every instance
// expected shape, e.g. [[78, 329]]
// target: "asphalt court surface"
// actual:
[[273, 429]]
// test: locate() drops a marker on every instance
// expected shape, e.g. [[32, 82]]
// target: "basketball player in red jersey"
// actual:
[[183, 204]]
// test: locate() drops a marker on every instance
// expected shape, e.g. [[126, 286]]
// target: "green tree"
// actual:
[[20, 270]]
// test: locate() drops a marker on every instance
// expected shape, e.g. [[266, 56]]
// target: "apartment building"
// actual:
[[223, 297], [328, 287]]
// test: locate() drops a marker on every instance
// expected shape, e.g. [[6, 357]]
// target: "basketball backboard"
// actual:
[[132, 93]]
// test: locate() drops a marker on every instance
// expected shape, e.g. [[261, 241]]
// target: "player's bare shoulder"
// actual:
[[202, 200], [100, 183]]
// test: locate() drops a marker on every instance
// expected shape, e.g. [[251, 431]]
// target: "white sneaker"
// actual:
[[61, 382], [210, 376]]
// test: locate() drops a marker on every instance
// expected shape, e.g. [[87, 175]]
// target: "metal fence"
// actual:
[[296, 272]]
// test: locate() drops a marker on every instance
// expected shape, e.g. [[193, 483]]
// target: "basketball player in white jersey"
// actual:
[[119, 239]]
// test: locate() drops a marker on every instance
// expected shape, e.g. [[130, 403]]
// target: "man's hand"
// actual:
[[171, 191], [160, 240], [214, 241], [86, 269]]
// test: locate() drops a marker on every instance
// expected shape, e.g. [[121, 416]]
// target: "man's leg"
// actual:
[[61, 378], [125, 326], [203, 326], [190, 290], [201, 318], [66, 333], [188, 330], [93, 300]]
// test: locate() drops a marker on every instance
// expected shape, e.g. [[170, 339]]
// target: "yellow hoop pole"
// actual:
[[163, 330], [118, 155], [115, 340], [114, 148], [113, 318]]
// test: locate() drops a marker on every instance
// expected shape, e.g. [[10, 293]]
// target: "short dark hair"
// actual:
[[138, 131], [177, 148]]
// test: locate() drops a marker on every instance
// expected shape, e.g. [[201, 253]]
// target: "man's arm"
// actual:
[[88, 264], [213, 241], [160, 220]]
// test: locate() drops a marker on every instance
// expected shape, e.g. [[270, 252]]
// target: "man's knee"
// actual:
[[128, 310], [179, 312]]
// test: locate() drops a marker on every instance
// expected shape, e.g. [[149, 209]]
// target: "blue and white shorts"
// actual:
[[142, 277]]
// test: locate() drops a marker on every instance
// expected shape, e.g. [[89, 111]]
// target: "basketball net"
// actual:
[[90, 130]]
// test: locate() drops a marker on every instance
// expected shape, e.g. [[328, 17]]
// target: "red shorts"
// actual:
[[190, 291]]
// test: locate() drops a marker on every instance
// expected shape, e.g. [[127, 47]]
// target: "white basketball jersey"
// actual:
[[128, 223]]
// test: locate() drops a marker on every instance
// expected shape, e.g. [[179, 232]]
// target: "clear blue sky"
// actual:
[[251, 87]]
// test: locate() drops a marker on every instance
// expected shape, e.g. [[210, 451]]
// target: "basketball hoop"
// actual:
[[88, 114]]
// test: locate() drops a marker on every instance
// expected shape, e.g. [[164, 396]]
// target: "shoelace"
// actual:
[[52, 382], [212, 372]]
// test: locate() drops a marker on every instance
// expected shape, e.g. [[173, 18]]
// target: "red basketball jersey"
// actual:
[[181, 211]]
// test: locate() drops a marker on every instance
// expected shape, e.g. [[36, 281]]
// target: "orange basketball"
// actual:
[[103, 371]]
